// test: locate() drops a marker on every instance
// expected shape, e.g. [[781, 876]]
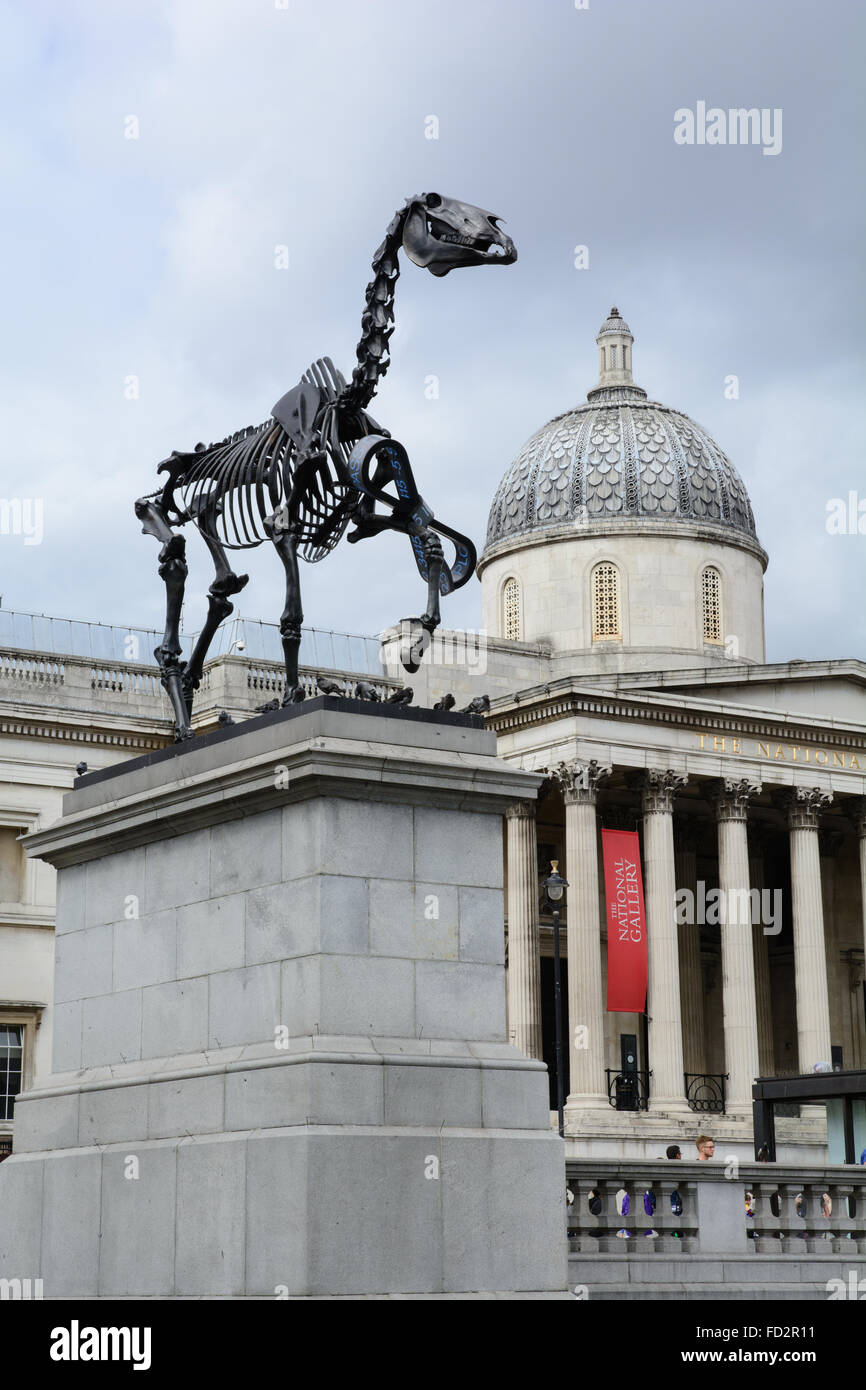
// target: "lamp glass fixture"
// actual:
[[555, 884]]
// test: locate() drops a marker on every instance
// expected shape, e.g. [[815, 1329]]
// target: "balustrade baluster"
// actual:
[[790, 1220], [817, 1224], [589, 1225], [768, 1223], [613, 1221], [841, 1222]]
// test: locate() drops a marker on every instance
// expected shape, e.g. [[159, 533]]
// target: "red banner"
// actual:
[[626, 922]]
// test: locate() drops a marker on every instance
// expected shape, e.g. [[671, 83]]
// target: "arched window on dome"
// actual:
[[511, 617], [711, 604], [612, 357], [604, 583]]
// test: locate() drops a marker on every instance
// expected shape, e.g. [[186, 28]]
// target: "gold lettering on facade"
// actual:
[[781, 752]]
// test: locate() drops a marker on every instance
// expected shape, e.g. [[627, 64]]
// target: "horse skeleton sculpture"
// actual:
[[317, 465]]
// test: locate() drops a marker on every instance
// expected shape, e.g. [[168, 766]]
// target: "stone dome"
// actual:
[[614, 323], [619, 456]]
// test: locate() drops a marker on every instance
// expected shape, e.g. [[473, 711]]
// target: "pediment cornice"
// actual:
[[566, 699]]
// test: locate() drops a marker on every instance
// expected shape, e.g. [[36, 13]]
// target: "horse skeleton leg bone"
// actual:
[[173, 572], [218, 608], [285, 541]]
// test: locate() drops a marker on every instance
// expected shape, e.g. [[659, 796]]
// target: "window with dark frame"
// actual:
[[11, 1065]]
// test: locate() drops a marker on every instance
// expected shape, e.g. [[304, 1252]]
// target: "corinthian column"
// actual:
[[761, 947], [738, 968], [810, 967], [663, 1004], [524, 971], [579, 783], [691, 975]]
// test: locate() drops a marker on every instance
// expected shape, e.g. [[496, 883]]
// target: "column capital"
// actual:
[[659, 786], [804, 805], [520, 810], [733, 796], [579, 781]]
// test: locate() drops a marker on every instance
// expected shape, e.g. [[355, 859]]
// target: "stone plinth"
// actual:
[[280, 1062]]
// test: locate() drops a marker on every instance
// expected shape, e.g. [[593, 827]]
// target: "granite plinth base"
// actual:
[[280, 1056]]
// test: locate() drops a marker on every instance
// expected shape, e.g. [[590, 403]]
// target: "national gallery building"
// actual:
[[622, 646]]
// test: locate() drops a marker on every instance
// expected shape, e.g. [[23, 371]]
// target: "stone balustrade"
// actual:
[[243, 683], [118, 688], [29, 668], [595, 1219], [755, 1208]]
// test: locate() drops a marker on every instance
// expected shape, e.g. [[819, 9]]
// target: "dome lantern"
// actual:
[[615, 341]]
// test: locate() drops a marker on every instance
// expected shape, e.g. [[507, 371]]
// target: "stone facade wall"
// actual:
[[660, 597]]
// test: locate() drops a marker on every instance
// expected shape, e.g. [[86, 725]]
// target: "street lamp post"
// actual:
[[556, 886]]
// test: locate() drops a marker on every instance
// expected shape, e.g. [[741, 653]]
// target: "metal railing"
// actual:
[[705, 1091], [106, 644], [628, 1090]]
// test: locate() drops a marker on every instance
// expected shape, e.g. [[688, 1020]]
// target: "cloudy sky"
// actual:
[[143, 309]]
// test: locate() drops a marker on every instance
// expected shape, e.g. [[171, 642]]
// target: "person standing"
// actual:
[[706, 1146]]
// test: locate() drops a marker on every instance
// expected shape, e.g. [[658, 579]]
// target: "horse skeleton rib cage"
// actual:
[[318, 464]]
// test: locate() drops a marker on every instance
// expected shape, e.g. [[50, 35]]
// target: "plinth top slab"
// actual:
[[326, 747], [405, 713]]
